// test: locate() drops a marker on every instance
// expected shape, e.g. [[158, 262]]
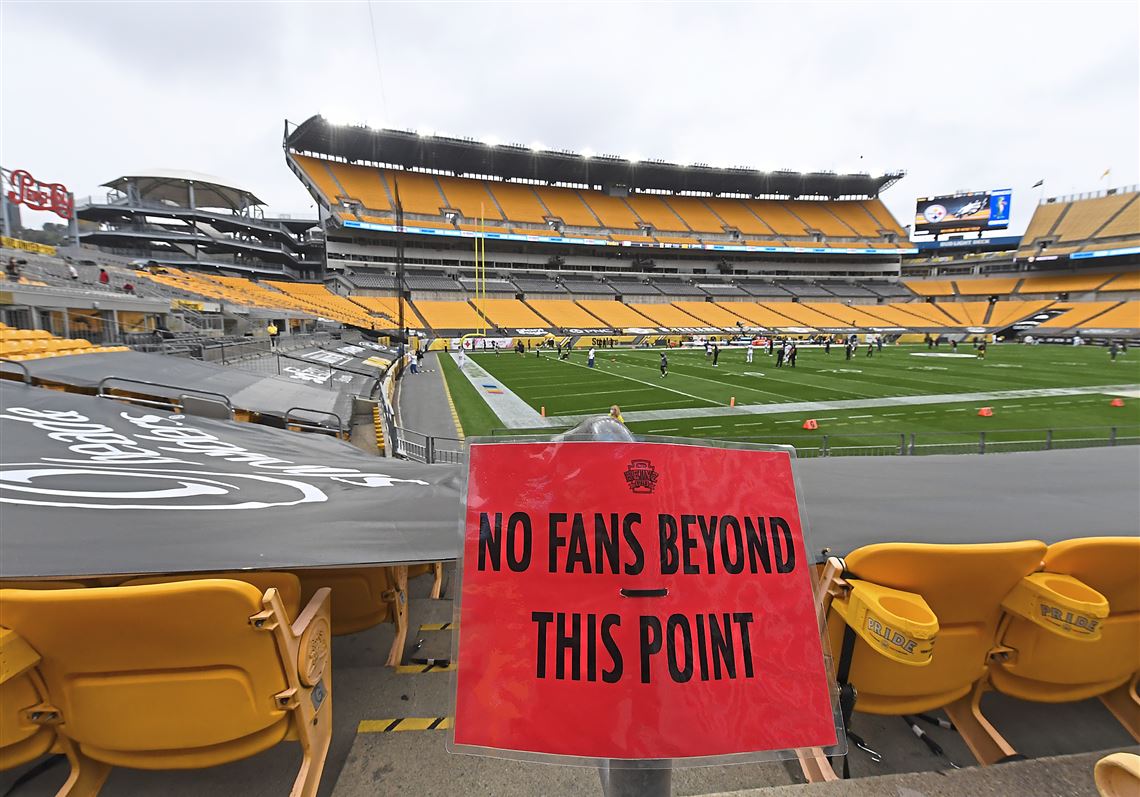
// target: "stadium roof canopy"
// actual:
[[465, 156], [170, 185]]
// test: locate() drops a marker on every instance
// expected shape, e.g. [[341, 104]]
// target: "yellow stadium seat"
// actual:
[[1118, 775], [943, 603], [362, 598], [1051, 664], [181, 675], [286, 584], [434, 569], [22, 695]]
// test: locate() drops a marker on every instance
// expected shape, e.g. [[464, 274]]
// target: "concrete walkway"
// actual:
[[422, 400]]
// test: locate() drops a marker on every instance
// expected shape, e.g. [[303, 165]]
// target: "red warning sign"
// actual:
[[637, 600]]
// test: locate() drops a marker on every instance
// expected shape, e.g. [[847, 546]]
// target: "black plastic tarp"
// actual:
[[169, 377], [96, 486]]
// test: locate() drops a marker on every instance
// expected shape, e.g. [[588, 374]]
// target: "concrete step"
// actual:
[[1053, 776]]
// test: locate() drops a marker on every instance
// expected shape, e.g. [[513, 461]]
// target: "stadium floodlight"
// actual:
[[491, 141], [537, 146], [425, 132], [587, 153], [634, 157]]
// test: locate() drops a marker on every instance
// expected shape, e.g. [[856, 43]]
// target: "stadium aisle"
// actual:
[[423, 400]]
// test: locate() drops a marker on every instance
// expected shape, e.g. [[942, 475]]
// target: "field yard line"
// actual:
[[642, 381], [724, 385], [771, 377], [851, 404]]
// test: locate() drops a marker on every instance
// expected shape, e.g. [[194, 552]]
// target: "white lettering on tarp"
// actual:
[[327, 357], [310, 374], [192, 485], [112, 454]]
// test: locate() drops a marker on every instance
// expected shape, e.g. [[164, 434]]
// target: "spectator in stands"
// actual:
[[128, 287], [664, 365], [12, 269], [71, 272], [420, 358], [104, 277], [590, 357], [615, 413], [273, 332]]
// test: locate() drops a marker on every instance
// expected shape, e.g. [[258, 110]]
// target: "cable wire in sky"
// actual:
[[376, 57]]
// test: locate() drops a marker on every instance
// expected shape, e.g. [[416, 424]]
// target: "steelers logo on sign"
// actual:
[[934, 213]]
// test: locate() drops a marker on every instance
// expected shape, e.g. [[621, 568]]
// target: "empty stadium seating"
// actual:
[[947, 599], [1065, 662], [22, 344], [1060, 283], [674, 219], [666, 315], [564, 313], [450, 315], [1064, 226], [1124, 316], [931, 287], [509, 313], [615, 314], [363, 597], [710, 313], [180, 675]]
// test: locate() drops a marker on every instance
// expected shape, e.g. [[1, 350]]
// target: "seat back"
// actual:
[[147, 673], [286, 584], [1050, 667], [21, 739], [963, 585], [361, 596]]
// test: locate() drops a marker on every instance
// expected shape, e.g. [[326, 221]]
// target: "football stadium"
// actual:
[[252, 461]]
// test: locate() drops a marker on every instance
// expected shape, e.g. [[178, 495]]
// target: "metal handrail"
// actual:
[[21, 366], [181, 390], [340, 429]]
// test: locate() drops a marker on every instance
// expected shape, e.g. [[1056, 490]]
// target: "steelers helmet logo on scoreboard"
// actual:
[[934, 213]]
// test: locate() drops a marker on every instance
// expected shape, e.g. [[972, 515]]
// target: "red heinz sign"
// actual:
[[637, 601]]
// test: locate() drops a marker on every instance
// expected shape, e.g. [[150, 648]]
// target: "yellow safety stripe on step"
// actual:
[[438, 626], [404, 724], [412, 669], [451, 403]]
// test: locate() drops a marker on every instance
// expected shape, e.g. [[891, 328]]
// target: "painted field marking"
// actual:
[[853, 417], [651, 384], [714, 426]]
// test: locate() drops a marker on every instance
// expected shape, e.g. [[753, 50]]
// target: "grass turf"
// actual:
[[632, 380]]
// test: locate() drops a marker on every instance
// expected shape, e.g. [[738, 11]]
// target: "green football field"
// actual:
[[863, 405]]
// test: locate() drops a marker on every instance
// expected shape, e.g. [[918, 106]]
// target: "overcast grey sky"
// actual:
[[961, 95]]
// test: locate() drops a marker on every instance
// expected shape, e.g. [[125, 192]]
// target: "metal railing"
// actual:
[[430, 449], [925, 443]]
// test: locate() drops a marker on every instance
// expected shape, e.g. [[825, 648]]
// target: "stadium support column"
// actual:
[[400, 287]]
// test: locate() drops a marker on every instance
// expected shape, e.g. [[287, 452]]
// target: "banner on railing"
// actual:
[[27, 246]]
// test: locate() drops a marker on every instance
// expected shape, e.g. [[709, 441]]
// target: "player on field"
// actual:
[[664, 365], [590, 357], [716, 354], [748, 354]]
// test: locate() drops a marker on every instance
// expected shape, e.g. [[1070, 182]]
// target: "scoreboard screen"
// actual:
[[972, 212]]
